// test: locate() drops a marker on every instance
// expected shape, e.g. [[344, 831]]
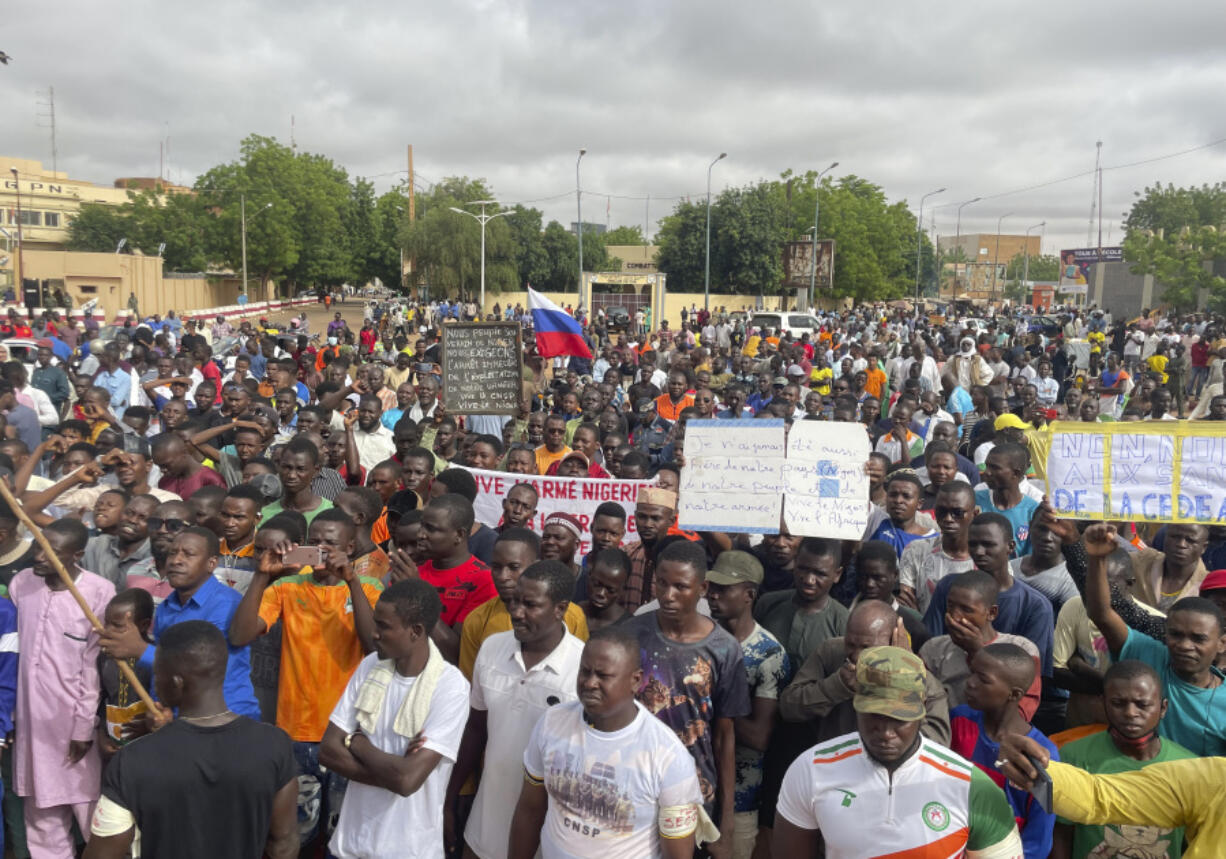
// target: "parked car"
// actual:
[[1048, 326], [796, 324], [618, 318]]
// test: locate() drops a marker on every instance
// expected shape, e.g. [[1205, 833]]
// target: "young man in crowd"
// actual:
[[395, 733], [299, 466], [647, 800], [654, 512], [732, 587], [240, 515], [113, 557], [607, 572], [941, 803], [327, 626], [56, 766], [181, 473], [1000, 675], [805, 616], [517, 677], [923, 564], [678, 645]]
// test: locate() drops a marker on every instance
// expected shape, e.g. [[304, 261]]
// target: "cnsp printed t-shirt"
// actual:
[[462, 588], [606, 789]]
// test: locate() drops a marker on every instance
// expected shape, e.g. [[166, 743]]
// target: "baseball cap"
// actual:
[[578, 454], [1215, 581], [1010, 421], [734, 567], [890, 682], [796, 370], [780, 381]]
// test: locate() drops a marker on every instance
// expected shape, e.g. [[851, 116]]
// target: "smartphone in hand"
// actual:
[[305, 556]]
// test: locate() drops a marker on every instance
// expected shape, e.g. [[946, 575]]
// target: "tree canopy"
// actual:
[[1178, 235]]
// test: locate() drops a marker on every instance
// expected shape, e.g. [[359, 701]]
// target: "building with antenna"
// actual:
[[50, 200]]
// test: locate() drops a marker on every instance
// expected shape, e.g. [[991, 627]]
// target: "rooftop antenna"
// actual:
[[46, 114], [1095, 191], [293, 141]]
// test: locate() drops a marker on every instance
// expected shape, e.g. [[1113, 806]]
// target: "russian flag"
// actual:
[[557, 332]]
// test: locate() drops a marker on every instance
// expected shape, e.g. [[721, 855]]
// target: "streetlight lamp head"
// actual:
[[939, 191], [976, 200], [13, 170], [832, 166], [582, 152], [722, 155], [457, 211]]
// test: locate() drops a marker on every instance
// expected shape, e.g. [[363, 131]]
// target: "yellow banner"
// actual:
[[1139, 471]]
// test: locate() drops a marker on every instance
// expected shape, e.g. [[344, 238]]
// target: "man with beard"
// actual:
[[777, 554], [654, 512], [517, 676], [373, 441], [560, 539]]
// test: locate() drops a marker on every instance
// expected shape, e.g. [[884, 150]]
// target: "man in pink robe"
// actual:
[[56, 767]]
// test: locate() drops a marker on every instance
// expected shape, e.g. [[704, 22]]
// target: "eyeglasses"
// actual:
[[172, 525], [955, 512]]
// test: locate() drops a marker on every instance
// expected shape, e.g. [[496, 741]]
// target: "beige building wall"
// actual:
[[982, 257], [50, 200], [111, 278]]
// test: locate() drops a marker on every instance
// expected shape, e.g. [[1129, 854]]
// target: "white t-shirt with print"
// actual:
[[606, 789]]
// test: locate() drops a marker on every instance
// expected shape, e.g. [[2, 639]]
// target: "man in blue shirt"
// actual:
[[197, 596], [1003, 472], [115, 378], [1196, 716]]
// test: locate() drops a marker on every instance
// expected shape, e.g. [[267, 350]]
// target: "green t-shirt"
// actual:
[[274, 508], [1098, 754], [800, 633], [991, 818]]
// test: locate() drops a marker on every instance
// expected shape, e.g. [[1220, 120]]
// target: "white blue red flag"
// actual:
[[557, 332]]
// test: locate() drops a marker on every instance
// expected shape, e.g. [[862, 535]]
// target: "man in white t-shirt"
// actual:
[[602, 776], [517, 677], [395, 734]]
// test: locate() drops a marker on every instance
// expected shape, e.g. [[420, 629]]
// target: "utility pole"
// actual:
[[49, 115], [579, 230], [412, 217], [21, 284]]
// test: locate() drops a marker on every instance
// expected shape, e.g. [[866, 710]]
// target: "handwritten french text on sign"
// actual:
[[1168, 471], [733, 476], [579, 496], [825, 487], [482, 368]]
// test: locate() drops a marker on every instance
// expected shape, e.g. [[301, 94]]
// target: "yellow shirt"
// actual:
[[1170, 794], [544, 458], [1157, 364], [821, 377], [751, 346], [491, 617]]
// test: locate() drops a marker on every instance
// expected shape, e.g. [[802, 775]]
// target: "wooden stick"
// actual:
[[122, 664]]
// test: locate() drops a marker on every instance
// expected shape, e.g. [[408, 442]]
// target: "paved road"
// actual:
[[317, 316]]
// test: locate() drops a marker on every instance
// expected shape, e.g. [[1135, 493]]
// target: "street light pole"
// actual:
[[958, 241], [817, 195], [919, 243], [482, 219], [996, 255], [579, 228], [242, 208], [1026, 266], [706, 289], [19, 292]]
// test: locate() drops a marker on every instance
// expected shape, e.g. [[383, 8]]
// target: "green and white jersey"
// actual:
[[935, 805]]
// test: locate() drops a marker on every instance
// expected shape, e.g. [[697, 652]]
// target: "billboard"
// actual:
[[1075, 264], [798, 264]]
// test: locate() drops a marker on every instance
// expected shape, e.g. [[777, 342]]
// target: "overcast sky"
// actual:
[[981, 99]]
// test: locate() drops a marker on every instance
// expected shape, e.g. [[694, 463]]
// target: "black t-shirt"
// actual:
[[481, 543], [189, 342], [202, 793]]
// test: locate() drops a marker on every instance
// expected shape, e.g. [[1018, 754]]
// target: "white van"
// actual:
[[794, 323]]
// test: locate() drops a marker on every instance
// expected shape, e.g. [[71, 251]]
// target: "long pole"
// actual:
[[817, 200], [958, 241], [919, 244], [242, 208], [1026, 265], [19, 292], [996, 255], [706, 289], [124, 668], [579, 227], [482, 305], [481, 219]]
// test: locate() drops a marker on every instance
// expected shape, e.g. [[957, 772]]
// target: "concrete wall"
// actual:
[[112, 277]]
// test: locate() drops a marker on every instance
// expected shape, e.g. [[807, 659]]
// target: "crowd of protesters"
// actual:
[[277, 529]]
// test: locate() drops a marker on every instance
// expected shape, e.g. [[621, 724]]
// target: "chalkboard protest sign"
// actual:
[[1164, 471], [482, 368]]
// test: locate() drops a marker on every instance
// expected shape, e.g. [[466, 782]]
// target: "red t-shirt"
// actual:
[[461, 588], [185, 487]]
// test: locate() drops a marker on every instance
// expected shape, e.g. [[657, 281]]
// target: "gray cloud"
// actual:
[[978, 99]]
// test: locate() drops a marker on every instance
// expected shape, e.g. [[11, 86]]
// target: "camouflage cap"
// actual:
[[890, 682]]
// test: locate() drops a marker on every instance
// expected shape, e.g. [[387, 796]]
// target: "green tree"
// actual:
[[747, 227], [623, 236], [1042, 268], [97, 228], [1176, 235], [562, 259], [147, 220], [531, 259], [682, 248]]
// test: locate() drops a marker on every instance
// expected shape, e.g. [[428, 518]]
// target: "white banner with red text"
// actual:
[[579, 496]]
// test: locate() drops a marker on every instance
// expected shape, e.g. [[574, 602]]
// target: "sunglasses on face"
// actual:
[[172, 525]]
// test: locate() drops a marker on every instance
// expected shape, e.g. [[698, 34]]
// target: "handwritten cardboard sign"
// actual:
[[743, 476], [1139, 471]]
